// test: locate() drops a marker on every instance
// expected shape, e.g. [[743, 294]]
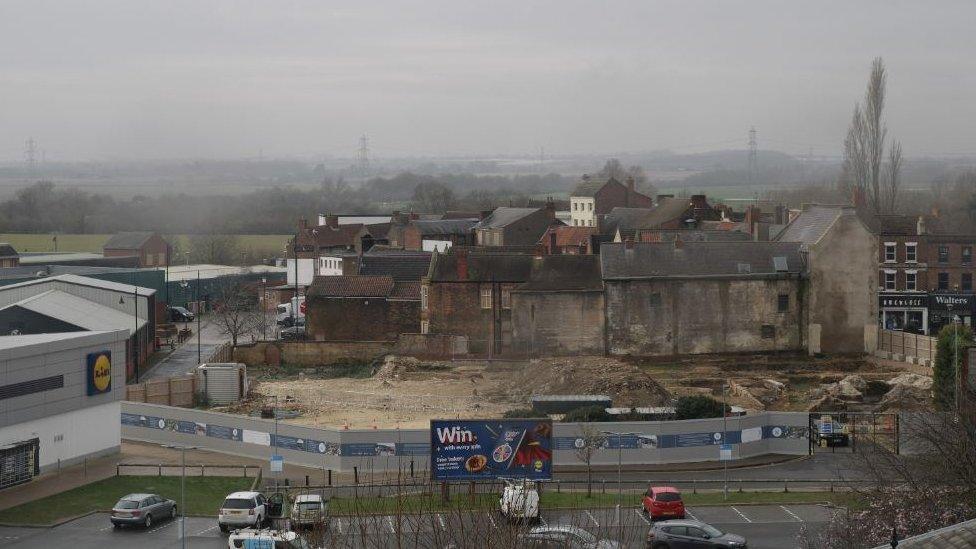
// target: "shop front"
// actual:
[[945, 308], [908, 312]]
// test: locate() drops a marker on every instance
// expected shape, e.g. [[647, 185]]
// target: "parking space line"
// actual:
[[738, 512], [491, 520], [791, 513], [591, 518], [202, 532], [690, 514], [641, 515], [543, 522], [389, 520]]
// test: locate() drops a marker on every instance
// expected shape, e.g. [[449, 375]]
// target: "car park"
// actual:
[[663, 502], [681, 534], [519, 500], [272, 539], [142, 510], [308, 510], [545, 537], [242, 509]]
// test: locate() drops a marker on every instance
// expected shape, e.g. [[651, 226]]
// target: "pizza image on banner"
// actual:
[[485, 449], [99, 372]]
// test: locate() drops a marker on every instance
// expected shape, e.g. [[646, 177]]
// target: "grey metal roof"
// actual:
[[20, 341], [445, 226], [813, 223], [698, 259], [6, 250], [78, 311], [86, 281], [128, 240], [504, 216]]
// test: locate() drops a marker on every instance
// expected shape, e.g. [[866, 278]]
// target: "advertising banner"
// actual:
[[489, 449]]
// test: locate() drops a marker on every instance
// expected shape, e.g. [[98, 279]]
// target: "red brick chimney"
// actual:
[[462, 264], [550, 209], [331, 220], [699, 202]]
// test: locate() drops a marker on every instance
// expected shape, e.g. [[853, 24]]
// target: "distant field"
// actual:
[[94, 242]]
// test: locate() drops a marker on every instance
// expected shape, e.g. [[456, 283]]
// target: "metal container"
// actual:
[[222, 383]]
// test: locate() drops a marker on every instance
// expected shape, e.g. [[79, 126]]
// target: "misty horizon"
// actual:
[[120, 81]]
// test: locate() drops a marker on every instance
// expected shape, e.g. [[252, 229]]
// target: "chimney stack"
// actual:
[[920, 225], [462, 264], [550, 208], [331, 220]]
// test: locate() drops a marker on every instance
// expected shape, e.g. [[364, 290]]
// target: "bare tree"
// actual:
[[865, 172], [235, 313], [590, 440]]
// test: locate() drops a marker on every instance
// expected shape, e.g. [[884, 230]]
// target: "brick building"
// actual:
[[8, 256], [669, 214], [470, 293], [593, 198], [515, 226], [361, 308], [568, 240], [151, 249], [438, 235]]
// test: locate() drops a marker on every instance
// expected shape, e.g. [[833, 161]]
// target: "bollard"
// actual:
[[160, 471], [558, 487], [604, 486], [245, 471], [830, 483], [785, 486], [411, 468], [117, 467], [86, 467], [306, 480], [203, 471], [355, 474], [740, 485], [330, 477], [694, 486]]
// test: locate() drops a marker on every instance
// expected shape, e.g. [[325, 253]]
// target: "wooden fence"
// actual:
[[223, 353], [906, 345], [171, 391]]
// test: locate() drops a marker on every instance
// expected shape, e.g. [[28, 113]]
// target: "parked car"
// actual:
[[308, 510], [293, 333], [142, 509], [180, 314], [242, 509], [574, 537], [663, 502], [275, 539], [520, 500], [677, 534], [832, 433]]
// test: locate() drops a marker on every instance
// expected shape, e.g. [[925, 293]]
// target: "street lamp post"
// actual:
[[620, 490], [183, 450], [725, 437], [199, 312]]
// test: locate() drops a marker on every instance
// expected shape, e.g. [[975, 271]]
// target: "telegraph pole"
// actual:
[[30, 154], [363, 155]]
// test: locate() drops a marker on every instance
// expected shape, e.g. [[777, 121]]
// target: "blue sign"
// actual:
[[277, 464], [487, 449]]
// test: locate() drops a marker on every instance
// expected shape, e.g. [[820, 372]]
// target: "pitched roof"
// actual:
[[351, 286], [624, 219], [699, 259], [692, 235], [127, 240], [589, 187], [813, 223], [404, 289], [568, 235], [504, 216], [482, 267], [84, 281], [379, 231], [78, 311], [6, 250], [956, 536], [564, 273], [404, 266], [667, 209], [342, 235], [445, 226]]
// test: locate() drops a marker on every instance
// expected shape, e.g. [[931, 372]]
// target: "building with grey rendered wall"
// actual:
[[53, 410]]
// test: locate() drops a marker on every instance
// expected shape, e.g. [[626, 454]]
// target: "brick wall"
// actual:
[[455, 308], [360, 319], [557, 323], [309, 353]]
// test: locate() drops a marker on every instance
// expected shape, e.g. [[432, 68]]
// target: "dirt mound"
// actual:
[[627, 384]]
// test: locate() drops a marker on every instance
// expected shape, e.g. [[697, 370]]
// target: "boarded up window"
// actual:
[[768, 331], [783, 303]]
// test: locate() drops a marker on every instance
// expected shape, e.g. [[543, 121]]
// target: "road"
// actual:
[[765, 526], [184, 359]]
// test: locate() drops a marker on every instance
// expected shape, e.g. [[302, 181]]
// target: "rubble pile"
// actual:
[[906, 391]]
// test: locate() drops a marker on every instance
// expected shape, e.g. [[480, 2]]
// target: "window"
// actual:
[[768, 331], [783, 303], [676, 530], [486, 298], [943, 254], [506, 298], [889, 280], [967, 255], [576, 222], [423, 297], [911, 281], [424, 326], [591, 223], [575, 204], [967, 282], [943, 281], [911, 252], [590, 206], [149, 258], [890, 252]]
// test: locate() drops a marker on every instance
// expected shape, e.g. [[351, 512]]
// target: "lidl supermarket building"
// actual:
[[59, 400]]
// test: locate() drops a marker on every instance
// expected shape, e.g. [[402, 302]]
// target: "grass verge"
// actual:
[[203, 496], [422, 503]]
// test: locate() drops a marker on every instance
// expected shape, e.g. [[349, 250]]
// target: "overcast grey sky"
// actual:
[[131, 79]]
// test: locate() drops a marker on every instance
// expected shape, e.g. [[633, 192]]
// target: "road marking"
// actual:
[[106, 528], [389, 520], [202, 532], [745, 518], [641, 515], [491, 520], [543, 522], [689, 513], [591, 518], [440, 518], [791, 513]]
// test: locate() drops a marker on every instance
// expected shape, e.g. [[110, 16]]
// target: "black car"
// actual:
[[294, 333], [180, 314], [678, 534]]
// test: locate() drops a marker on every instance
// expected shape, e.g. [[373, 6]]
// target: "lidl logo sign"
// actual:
[[99, 372]]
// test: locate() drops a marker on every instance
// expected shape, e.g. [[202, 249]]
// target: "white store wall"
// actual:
[[70, 436]]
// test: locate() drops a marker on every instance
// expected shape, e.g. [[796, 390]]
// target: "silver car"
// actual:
[[677, 534], [560, 536], [142, 509]]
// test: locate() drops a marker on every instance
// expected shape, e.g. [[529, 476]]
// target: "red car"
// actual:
[[663, 502]]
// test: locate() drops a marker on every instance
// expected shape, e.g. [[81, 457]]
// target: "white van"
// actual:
[[520, 500], [250, 538]]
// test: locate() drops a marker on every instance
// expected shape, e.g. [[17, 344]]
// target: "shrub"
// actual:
[[587, 414], [946, 358], [522, 413], [697, 407]]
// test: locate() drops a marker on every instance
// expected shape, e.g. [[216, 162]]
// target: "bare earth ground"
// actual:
[[407, 392]]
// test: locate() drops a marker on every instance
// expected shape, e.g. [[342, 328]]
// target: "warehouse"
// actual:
[[60, 398]]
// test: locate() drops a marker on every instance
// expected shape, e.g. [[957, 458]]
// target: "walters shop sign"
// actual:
[[955, 302]]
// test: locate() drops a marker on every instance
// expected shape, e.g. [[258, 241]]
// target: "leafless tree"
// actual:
[[864, 169], [588, 443], [235, 313]]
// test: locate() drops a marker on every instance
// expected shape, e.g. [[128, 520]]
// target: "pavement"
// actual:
[[765, 527], [183, 359]]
